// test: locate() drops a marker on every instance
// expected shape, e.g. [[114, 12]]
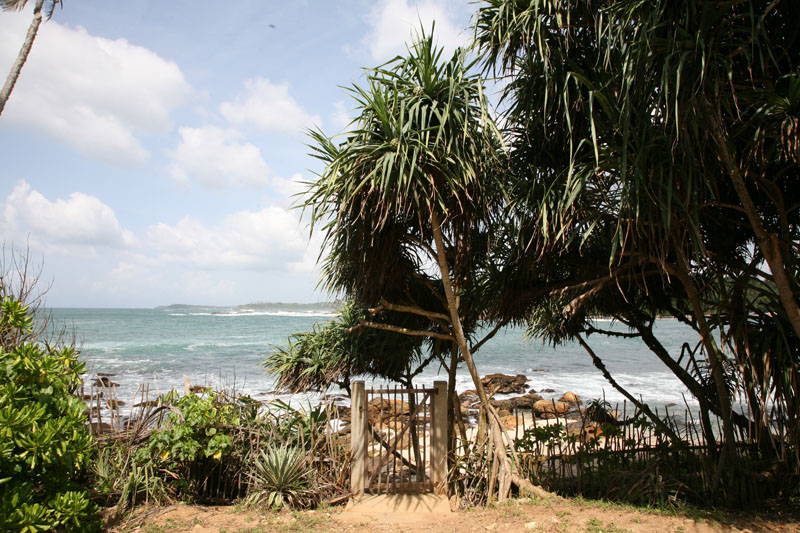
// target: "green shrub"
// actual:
[[44, 443], [194, 434]]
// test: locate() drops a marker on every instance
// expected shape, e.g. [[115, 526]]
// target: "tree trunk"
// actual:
[[22, 56], [768, 243], [504, 463], [728, 457]]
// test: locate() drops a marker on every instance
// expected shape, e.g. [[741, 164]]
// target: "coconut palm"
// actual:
[[14, 5], [409, 191]]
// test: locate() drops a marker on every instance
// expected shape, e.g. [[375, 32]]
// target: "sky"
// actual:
[[152, 151]]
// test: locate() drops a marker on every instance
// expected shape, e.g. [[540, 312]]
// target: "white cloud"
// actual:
[[64, 225], [341, 116], [291, 187], [97, 95], [267, 106], [393, 24], [268, 239], [215, 157]]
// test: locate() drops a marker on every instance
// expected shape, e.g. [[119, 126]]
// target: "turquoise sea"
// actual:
[[223, 347]]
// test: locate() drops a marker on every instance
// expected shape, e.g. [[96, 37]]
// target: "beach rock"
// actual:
[[525, 402], [96, 428], [504, 405], [105, 375], [469, 398], [504, 412], [342, 412], [199, 389], [103, 381], [509, 421], [570, 397], [505, 384], [114, 404], [585, 430], [547, 391], [382, 409], [551, 407]]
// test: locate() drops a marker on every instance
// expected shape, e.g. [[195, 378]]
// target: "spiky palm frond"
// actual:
[[281, 476]]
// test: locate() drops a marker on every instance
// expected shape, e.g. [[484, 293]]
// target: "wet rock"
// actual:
[[469, 398], [105, 375], [547, 391], [505, 384], [571, 398], [505, 405], [551, 407], [100, 428], [103, 381], [525, 402], [114, 404]]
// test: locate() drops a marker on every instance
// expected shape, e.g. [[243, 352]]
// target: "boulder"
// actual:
[[505, 405], [103, 381], [505, 384], [551, 407], [570, 397], [382, 409], [469, 398], [525, 402], [509, 421], [585, 430]]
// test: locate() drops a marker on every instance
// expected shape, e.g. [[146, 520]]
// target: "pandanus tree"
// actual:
[[406, 199], [673, 126], [16, 68]]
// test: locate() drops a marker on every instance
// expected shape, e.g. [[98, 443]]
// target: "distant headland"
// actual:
[[257, 306]]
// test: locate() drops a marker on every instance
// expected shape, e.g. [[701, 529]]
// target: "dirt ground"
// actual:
[[555, 516]]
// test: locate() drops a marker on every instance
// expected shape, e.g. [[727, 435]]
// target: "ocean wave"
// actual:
[[328, 314]]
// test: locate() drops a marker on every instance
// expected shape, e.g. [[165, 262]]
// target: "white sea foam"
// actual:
[[245, 313]]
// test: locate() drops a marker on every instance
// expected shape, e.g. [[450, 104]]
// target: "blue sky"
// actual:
[[150, 150]]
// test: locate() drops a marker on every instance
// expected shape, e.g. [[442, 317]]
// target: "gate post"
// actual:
[[358, 438], [439, 440]]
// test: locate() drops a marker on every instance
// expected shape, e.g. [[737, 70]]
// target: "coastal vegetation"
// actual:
[[646, 168], [45, 445], [644, 162]]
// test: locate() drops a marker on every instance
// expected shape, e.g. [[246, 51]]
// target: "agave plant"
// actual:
[[281, 476]]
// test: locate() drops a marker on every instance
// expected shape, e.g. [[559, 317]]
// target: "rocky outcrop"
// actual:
[[469, 398], [525, 402], [505, 384]]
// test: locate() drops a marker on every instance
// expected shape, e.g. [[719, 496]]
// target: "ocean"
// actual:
[[224, 348]]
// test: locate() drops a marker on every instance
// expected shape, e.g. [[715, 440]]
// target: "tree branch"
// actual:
[[408, 309], [403, 331]]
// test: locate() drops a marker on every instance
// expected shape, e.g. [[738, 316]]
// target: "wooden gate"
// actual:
[[399, 440]]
